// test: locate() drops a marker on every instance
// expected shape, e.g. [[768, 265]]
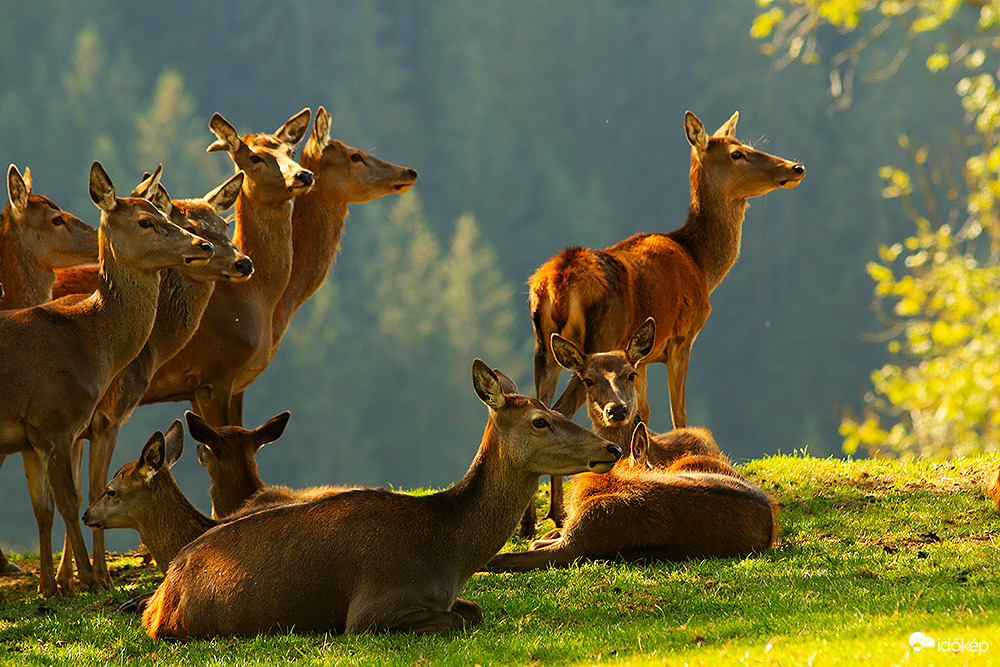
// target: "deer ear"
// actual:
[[728, 128], [321, 128], [487, 385], [567, 354], [102, 190], [152, 456], [507, 385], [173, 443], [294, 128], [201, 430], [640, 444], [223, 197], [642, 342], [695, 131], [203, 454], [147, 188], [228, 139], [272, 429], [17, 190]]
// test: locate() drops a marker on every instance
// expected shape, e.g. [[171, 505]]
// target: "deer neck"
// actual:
[[482, 509], [166, 532], [711, 234], [317, 226], [620, 435], [179, 307], [25, 283], [263, 232], [229, 497]]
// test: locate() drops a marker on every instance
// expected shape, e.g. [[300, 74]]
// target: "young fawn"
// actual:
[[374, 560], [229, 455], [596, 298], [61, 357], [638, 512]]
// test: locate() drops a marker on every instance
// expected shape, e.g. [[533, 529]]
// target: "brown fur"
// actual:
[[993, 488], [235, 330], [373, 560], [61, 358], [638, 512]]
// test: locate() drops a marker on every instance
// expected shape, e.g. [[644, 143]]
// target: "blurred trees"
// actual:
[[938, 289]]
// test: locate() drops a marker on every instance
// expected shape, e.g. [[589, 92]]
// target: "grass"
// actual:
[[870, 552]]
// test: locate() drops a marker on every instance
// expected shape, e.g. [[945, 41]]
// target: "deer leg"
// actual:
[[236, 409], [642, 394], [556, 554], [67, 497], [546, 375], [572, 398], [470, 611], [213, 404], [102, 446], [6, 567], [677, 366], [64, 573], [41, 505], [528, 520], [556, 512]]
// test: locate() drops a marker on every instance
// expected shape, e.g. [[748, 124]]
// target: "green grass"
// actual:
[[870, 552]]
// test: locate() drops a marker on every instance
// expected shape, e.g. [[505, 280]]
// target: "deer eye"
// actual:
[[256, 159], [539, 422], [631, 377], [110, 493], [588, 382], [738, 155], [58, 221], [357, 157], [145, 223]]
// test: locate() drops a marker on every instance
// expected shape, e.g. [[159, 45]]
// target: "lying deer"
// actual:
[[229, 455], [597, 298], [638, 513], [343, 175], [60, 357], [36, 238], [235, 329], [373, 560], [184, 294]]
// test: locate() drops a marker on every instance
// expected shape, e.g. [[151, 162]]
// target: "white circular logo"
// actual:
[[919, 641]]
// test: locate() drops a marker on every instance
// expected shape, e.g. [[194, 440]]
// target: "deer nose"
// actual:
[[412, 172], [304, 177], [615, 451], [244, 266], [616, 412], [799, 169]]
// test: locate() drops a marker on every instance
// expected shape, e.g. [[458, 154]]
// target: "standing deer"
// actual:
[[183, 296], [596, 298], [36, 237], [61, 356], [229, 455], [343, 175], [373, 560], [235, 329], [638, 512]]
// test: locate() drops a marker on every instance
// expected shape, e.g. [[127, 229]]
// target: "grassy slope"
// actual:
[[870, 552]]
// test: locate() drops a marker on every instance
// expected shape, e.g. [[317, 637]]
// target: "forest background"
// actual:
[[533, 126]]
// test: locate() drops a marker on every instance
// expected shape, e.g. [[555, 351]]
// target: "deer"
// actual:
[[343, 175], [993, 487], [638, 512], [60, 357], [36, 238], [235, 328], [372, 560], [596, 298], [184, 293], [228, 454]]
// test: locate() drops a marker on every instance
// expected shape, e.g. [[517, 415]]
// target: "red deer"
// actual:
[[371, 559], [183, 296], [597, 298], [235, 329], [993, 488], [36, 237], [640, 513], [144, 496], [343, 175], [61, 357], [228, 454]]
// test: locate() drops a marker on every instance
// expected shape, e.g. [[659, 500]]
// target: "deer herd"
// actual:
[[173, 310]]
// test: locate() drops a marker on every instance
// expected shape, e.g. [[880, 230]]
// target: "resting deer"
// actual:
[[373, 560], [229, 455], [343, 175], [144, 496], [638, 513], [183, 296], [60, 357], [993, 487], [36, 237], [596, 298], [235, 329]]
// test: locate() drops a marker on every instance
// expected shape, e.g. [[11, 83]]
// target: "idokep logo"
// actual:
[[919, 641]]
